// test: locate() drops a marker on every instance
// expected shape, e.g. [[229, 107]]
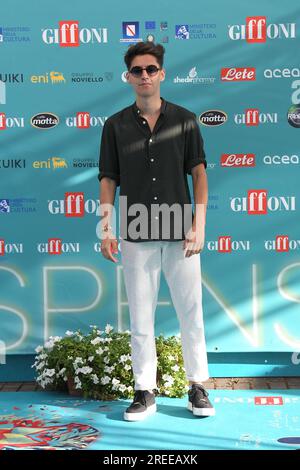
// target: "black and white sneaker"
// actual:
[[143, 405], [199, 403]]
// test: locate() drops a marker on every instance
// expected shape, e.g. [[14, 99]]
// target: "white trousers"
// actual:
[[142, 265]]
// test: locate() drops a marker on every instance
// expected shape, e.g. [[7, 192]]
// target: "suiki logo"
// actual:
[[256, 30], [238, 74], [68, 34], [257, 202], [252, 117], [282, 244], [238, 160], [225, 244]]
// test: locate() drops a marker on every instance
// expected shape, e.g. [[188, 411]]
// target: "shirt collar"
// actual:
[[162, 109]]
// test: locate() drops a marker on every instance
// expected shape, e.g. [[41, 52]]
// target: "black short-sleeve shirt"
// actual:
[[151, 169]]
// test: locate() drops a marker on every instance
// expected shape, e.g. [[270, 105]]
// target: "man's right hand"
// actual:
[[109, 246]]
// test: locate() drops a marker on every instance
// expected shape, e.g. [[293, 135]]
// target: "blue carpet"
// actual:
[[245, 419]]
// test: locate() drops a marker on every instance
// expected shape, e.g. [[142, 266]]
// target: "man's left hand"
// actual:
[[193, 243]]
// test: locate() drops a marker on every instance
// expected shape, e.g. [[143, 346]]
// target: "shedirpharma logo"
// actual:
[[68, 34], [44, 120]]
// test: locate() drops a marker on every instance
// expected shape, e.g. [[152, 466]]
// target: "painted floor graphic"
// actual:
[[245, 419]]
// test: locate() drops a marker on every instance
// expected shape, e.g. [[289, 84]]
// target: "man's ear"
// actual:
[[162, 75], [127, 76]]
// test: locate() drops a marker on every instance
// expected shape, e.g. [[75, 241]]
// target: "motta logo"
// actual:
[[252, 117], [8, 122], [238, 160], [213, 117], [83, 120], [256, 30], [225, 244], [55, 246], [10, 248], [238, 74], [68, 34], [268, 400], [282, 244], [44, 121], [257, 202]]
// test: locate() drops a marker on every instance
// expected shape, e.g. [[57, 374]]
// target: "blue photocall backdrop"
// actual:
[[236, 66]]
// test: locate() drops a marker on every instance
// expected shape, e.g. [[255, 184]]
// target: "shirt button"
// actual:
[[155, 197], [154, 179], [151, 159], [150, 140], [156, 218], [144, 122]]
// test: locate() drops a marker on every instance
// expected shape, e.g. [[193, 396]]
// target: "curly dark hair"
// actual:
[[142, 48]]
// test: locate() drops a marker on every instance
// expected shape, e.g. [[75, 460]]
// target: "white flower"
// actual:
[[91, 358], [95, 341], [123, 358], [130, 388], [39, 349], [167, 392], [78, 385], [40, 365], [108, 328], [95, 379], [127, 367], [175, 368], [50, 372], [106, 348], [106, 360], [69, 333], [109, 369], [62, 371], [99, 332], [122, 388], [108, 340], [105, 380], [99, 351], [171, 358], [85, 370], [77, 361], [116, 384]]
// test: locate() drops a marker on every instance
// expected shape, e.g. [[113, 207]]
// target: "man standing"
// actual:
[[148, 149]]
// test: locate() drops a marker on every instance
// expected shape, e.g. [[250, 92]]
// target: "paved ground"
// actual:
[[225, 383]]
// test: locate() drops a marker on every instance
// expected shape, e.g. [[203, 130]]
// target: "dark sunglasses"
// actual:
[[138, 71]]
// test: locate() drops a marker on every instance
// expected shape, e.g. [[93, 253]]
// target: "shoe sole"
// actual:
[[140, 416], [201, 411]]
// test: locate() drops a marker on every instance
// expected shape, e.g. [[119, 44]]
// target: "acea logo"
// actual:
[[213, 117], [44, 120]]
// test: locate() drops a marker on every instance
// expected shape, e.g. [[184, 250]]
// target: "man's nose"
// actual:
[[144, 73]]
